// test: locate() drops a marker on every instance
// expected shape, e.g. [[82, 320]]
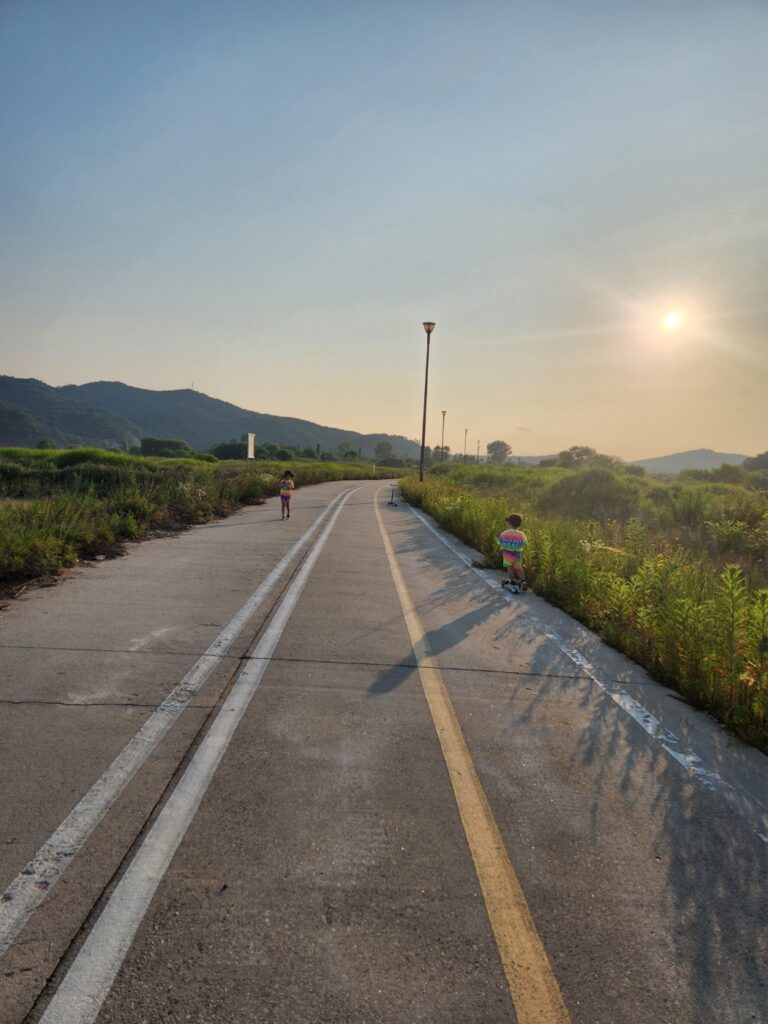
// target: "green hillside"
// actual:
[[19, 429], [202, 421], [34, 411], [109, 414]]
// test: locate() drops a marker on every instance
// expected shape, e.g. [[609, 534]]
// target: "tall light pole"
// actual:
[[428, 327], [466, 431], [478, 453], [442, 438]]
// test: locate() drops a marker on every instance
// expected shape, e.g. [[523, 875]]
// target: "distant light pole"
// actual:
[[466, 431], [428, 327], [442, 438], [478, 453]]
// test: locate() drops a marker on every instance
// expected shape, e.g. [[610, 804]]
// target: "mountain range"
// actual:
[[109, 414]]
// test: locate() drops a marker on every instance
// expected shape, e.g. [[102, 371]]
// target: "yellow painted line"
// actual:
[[532, 983]]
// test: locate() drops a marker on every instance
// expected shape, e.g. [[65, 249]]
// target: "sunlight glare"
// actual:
[[673, 320]]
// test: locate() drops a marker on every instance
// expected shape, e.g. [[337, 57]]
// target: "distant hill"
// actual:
[[110, 414], [699, 458], [20, 430], [34, 412], [203, 421]]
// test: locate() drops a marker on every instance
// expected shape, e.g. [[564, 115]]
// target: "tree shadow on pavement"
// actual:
[[707, 865], [713, 892]]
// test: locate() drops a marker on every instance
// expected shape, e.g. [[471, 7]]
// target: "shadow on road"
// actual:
[[715, 867]]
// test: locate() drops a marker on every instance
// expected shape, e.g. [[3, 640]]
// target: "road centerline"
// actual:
[[532, 984]]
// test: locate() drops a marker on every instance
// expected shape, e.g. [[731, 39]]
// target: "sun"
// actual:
[[673, 320]]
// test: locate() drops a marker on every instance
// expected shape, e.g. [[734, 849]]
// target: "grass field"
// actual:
[[673, 574], [58, 507]]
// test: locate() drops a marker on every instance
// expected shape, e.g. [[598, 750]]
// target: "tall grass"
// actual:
[[60, 506], [664, 577]]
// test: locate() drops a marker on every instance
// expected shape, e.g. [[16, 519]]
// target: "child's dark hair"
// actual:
[[287, 473], [515, 520]]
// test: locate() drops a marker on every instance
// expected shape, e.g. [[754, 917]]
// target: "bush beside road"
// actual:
[[673, 575]]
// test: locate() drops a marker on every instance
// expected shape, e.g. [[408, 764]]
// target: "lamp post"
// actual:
[[466, 431], [478, 453], [442, 438], [428, 327]]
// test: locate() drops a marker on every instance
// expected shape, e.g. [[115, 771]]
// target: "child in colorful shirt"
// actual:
[[512, 542], [286, 490]]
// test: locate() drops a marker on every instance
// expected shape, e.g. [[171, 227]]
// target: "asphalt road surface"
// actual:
[[323, 770]]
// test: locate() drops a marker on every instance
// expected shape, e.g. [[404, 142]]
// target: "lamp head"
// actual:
[[428, 327]]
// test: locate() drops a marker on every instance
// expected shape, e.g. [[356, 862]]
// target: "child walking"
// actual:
[[512, 541], [286, 490]]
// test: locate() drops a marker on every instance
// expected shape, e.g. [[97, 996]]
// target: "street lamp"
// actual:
[[442, 438], [428, 327], [478, 453], [466, 431]]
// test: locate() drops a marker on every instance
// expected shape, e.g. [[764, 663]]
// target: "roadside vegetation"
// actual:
[[672, 572], [59, 507]]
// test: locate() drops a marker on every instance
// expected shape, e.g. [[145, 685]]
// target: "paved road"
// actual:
[[261, 776]]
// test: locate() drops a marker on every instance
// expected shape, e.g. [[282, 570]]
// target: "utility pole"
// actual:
[[442, 438], [478, 453], [466, 431]]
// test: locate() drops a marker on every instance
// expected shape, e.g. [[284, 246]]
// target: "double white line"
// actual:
[[32, 885], [86, 985]]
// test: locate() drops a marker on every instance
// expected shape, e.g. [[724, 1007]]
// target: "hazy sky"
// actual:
[[268, 199]]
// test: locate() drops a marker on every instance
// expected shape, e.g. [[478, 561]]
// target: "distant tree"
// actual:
[[327, 457], [728, 474], [169, 448], [350, 456], [285, 454], [384, 452], [498, 451], [583, 457], [43, 444], [230, 450], [343, 448], [756, 462], [309, 453], [442, 452]]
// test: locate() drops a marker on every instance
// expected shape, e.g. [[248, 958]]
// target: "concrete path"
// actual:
[[251, 775]]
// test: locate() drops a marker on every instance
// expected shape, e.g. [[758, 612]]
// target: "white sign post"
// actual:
[[251, 446]]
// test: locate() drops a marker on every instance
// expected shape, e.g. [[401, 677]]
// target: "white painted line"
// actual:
[[647, 721], [28, 890], [89, 979]]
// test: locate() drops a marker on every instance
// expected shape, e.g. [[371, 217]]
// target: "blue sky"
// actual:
[[268, 200]]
